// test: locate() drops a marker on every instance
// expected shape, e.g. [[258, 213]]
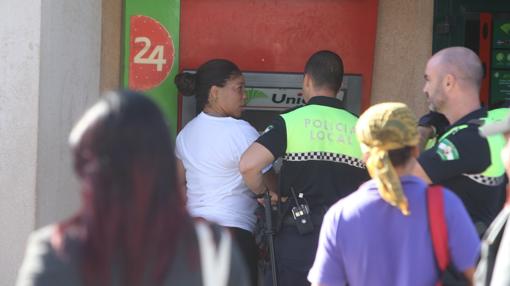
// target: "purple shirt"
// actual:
[[365, 241]]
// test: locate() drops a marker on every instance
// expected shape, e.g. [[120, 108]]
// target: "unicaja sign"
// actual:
[[276, 98]]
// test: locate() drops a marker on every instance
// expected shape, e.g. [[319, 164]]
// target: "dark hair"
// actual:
[[132, 215], [326, 69], [212, 73], [399, 157]]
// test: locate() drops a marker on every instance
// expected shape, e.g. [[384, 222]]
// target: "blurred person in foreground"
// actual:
[[132, 228], [494, 265], [379, 235]]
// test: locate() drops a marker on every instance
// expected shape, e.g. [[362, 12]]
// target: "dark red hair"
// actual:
[[132, 215]]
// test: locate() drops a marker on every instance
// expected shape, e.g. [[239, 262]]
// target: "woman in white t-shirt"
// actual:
[[209, 148]]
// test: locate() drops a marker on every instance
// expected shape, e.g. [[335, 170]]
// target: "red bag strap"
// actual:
[[437, 224]]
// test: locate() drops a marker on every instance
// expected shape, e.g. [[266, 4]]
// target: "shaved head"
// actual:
[[453, 78], [462, 63]]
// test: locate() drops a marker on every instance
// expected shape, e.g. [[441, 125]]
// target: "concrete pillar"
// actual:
[[403, 46], [49, 74], [111, 44]]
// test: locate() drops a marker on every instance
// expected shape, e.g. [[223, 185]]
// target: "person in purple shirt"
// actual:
[[379, 235]]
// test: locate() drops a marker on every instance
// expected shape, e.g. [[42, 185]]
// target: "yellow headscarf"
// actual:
[[381, 128]]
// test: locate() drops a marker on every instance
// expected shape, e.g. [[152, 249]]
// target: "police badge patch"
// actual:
[[447, 151]]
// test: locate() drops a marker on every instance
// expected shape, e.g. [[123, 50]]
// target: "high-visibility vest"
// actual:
[[317, 132], [496, 142], [495, 173]]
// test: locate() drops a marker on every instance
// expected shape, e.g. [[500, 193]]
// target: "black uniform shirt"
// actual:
[[321, 182], [460, 154]]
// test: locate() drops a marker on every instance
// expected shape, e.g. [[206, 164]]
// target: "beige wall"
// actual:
[[403, 45]]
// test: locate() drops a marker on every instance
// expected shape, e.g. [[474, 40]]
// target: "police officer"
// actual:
[[321, 164], [462, 160]]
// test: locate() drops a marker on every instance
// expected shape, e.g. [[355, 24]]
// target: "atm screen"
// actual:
[[269, 94]]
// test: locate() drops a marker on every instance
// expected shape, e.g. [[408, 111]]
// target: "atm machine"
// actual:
[[269, 94]]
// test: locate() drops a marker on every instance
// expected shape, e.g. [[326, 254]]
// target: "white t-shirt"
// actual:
[[210, 149]]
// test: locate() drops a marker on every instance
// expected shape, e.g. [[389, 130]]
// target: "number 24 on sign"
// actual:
[[155, 58]]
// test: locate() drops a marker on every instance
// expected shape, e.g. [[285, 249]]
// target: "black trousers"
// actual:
[[294, 255], [246, 242]]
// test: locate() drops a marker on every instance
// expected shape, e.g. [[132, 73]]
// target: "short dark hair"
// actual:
[[399, 157], [215, 72], [326, 69]]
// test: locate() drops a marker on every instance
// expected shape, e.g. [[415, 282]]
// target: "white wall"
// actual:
[[69, 83], [49, 74], [19, 100]]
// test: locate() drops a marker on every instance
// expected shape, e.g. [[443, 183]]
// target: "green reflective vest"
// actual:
[[499, 114], [430, 143], [496, 142], [316, 132], [494, 174]]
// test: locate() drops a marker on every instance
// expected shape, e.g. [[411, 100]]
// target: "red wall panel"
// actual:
[[279, 35]]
